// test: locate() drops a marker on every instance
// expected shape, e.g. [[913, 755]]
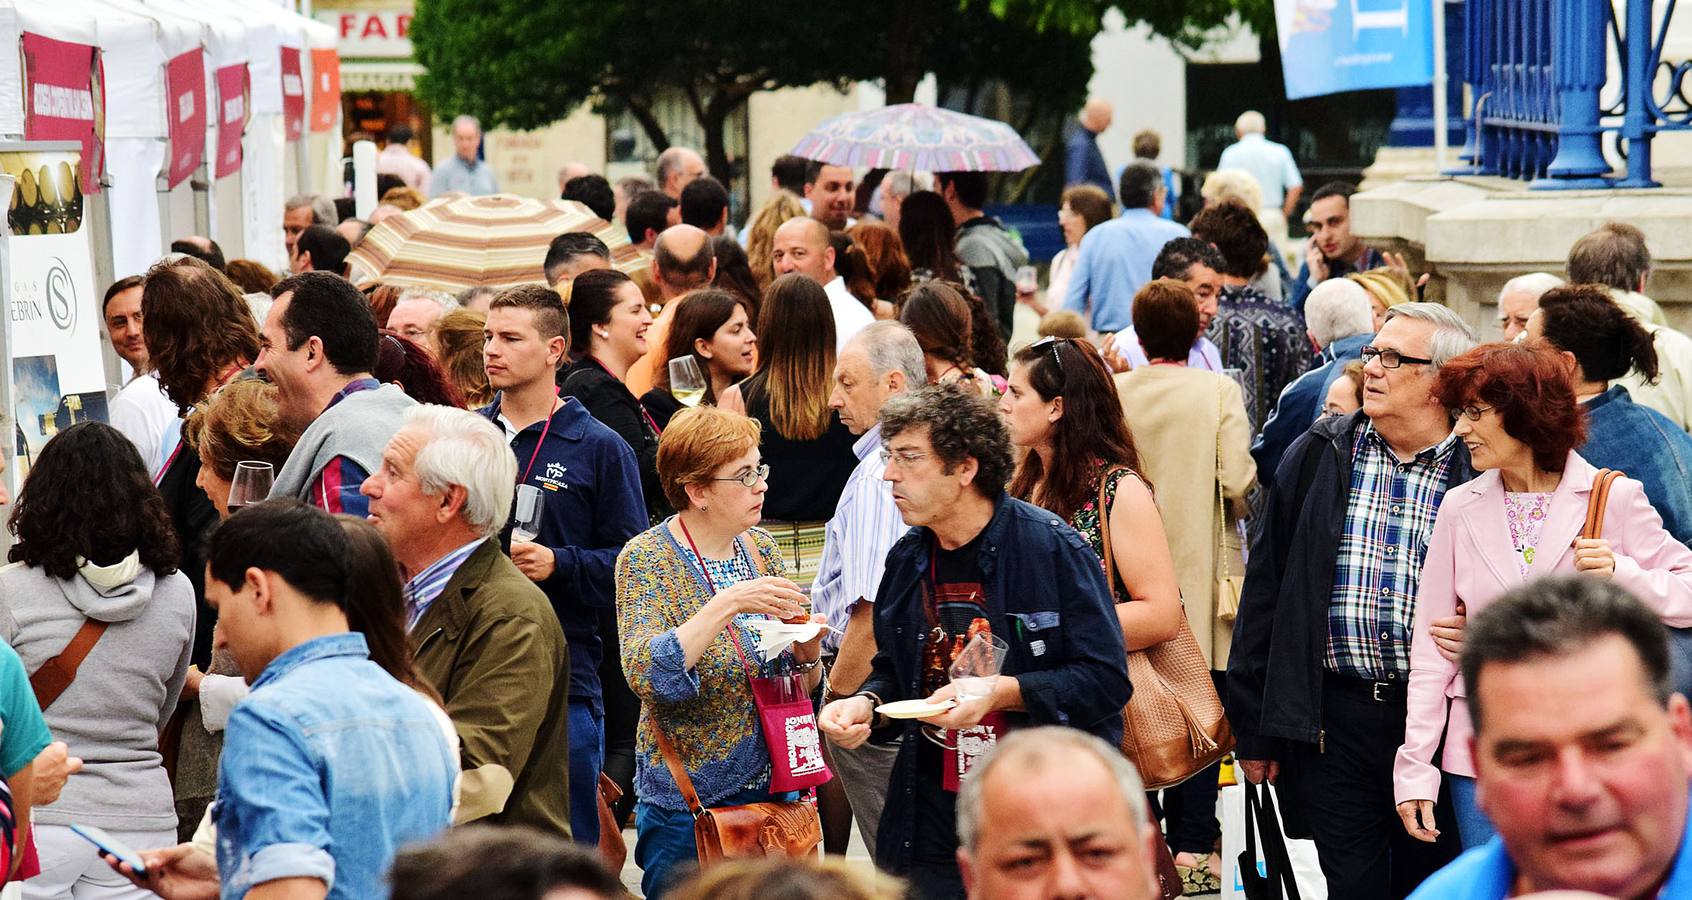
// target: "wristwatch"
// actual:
[[876, 719]]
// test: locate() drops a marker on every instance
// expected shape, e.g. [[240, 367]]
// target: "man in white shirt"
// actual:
[[397, 159], [1272, 165], [801, 245], [140, 411]]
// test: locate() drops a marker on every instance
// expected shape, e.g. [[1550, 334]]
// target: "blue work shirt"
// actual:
[[1486, 873], [475, 177], [1115, 260], [593, 505], [329, 767]]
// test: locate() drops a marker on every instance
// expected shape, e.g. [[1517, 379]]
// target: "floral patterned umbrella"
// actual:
[[915, 137], [496, 241]]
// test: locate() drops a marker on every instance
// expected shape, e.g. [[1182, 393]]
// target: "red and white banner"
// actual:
[[185, 103], [293, 94], [231, 117], [325, 88], [64, 100]]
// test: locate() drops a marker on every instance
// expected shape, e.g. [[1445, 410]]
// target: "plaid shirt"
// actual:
[[1389, 516]]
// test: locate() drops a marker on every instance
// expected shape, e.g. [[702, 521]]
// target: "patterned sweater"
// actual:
[[706, 711]]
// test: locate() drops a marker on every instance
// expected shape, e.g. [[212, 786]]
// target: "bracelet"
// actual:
[[800, 668]]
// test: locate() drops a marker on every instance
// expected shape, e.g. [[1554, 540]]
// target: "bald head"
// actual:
[[801, 245], [1250, 122], [677, 168], [682, 260], [1519, 298], [1096, 114], [570, 172]]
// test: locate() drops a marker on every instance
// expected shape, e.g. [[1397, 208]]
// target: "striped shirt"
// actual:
[[1389, 516], [423, 589], [865, 526], [336, 489]]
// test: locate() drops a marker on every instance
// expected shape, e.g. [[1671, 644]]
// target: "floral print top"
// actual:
[[1087, 521], [1525, 513]]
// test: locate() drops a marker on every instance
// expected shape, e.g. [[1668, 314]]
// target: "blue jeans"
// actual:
[[1472, 825], [664, 845], [587, 756]]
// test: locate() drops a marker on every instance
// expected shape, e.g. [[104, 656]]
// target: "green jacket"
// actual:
[[493, 648]]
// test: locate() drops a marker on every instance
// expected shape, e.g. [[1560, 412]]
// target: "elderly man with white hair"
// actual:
[[1340, 322], [1272, 165], [464, 171], [485, 635], [1519, 298], [1055, 812]]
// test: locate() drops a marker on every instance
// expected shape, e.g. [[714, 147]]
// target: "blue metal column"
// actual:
[[1577, 31], [1638, 121]]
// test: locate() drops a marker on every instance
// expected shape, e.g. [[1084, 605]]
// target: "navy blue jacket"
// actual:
[[593, 506], [1301, 402], [1046, 598], [1649, 448], [1084, 163]]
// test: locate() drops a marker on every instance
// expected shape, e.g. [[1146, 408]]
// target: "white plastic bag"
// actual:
[[1306, 869]]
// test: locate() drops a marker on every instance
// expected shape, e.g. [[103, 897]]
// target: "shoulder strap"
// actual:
[[677, 771], [1104, 526], [1597, 501], [57, 673]]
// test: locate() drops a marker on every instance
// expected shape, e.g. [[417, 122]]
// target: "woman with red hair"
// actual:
[[1514, 407]]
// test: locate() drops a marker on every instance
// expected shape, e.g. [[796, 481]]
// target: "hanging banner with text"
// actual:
[[325, 89], [231, 117], [293, 94], [185, 101], [63, 100], [1329, 46]]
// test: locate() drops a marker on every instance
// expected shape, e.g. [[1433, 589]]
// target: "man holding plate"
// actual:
[[992, 615]]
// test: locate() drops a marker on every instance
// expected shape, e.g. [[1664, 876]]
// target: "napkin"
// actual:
[[774, 636]]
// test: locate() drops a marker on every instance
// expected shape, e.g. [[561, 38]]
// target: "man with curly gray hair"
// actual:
[[984, 583]]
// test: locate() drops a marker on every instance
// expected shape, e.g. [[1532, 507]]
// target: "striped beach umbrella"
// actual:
[[494, 241], [913, 137]]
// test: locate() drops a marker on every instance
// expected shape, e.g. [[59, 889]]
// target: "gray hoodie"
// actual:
[[124, 691]]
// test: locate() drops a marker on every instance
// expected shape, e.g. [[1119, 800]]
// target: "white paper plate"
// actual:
[[914, 709]]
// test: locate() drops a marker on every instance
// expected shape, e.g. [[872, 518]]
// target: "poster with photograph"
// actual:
[[52, 338]]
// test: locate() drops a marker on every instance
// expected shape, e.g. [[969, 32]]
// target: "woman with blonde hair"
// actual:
[[1387, 288], [760, 240], [807, 448], [456, 339]]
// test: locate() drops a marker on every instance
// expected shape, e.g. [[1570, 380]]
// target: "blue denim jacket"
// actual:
[[1649, 448], [329, 767]]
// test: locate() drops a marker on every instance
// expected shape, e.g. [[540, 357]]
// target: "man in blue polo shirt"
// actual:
[[1583, 755], [587, 484]]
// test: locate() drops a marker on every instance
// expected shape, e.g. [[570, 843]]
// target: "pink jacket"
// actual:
[[1471, 559]]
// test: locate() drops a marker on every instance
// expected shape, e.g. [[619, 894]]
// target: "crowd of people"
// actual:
[[821, 541]]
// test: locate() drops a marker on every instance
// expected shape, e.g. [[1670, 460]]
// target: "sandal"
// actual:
[[1198, 879]]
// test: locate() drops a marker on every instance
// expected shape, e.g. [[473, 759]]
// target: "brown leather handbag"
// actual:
[[1173, 726], [1597, 501], [753, 830]]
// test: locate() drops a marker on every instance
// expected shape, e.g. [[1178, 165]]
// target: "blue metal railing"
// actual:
[[1536, 71]]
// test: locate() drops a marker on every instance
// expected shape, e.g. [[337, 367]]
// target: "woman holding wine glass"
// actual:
[[710, 346]]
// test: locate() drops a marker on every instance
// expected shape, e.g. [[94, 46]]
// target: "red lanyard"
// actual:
[[548, 427], [650, 422], [712, 587]]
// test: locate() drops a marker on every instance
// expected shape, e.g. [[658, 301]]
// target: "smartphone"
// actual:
[[111, 846]]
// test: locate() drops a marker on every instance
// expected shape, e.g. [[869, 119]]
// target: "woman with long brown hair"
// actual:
[[929, 235], [714, 328], [809, 452], [958, 342], [890, 270]]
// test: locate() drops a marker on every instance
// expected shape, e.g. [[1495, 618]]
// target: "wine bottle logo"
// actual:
[[61, 296]]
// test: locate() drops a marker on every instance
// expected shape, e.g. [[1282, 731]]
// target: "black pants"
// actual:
[[1346, 791], [1188, 809], [622, 714]]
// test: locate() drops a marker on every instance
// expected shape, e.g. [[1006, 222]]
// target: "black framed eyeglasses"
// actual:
[[1392, 359], [750, 477], [1471, 412]]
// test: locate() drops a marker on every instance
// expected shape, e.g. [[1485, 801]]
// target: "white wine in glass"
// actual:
[[526, 521], [687, 383], [250, 485]]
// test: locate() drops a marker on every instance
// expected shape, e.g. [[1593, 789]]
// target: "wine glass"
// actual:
[[250, 485], [1027, 280], [687, 383], [526, 522]]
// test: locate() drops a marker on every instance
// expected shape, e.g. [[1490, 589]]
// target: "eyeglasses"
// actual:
[[1472, 413], [1392, 359], [750, 477], [905, 457]]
